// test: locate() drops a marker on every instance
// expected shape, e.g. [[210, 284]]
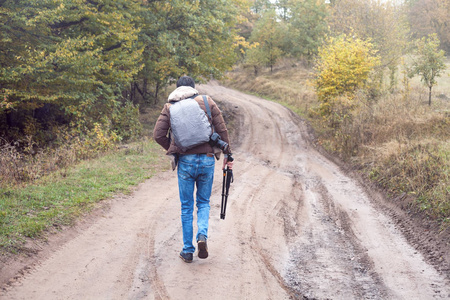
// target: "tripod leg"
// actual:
[[224, 201]]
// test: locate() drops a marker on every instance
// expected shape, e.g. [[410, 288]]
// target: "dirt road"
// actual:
[[297, 227]]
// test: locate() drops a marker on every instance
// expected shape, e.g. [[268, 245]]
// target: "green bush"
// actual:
[[126, 122]]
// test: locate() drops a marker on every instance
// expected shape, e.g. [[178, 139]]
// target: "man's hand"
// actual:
[[227, 163]]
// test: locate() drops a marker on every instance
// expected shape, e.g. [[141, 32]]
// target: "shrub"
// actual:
[[343, 68], [22, 161], [126, 123]]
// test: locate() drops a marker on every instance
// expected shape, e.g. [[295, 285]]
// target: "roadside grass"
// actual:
[[59, 198], [291, 86], [398, 141], [419, 169]]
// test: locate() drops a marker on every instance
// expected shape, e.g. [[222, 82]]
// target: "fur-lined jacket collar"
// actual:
[[182, 92]]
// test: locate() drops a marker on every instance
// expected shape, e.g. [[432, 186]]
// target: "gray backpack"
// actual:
[[189, 124]]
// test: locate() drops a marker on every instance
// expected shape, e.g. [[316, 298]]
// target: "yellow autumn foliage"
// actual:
[[344, 66]]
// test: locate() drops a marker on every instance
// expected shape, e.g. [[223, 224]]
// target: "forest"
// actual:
[[87, 64], [75, 74]]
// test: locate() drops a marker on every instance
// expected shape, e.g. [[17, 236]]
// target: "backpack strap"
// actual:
[[208, 110]]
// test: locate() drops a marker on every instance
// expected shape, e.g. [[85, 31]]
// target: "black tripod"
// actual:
[[227, 180]]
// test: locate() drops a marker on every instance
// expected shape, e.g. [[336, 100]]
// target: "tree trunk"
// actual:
[[429, 97], [156, 92], [133, 91], [136, 87], [144, 89], [9, 118]]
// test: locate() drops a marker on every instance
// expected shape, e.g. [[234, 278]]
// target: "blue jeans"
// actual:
[[195, 170]]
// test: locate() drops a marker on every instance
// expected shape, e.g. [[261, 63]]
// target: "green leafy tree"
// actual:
[[283, 8], [260, 6], [428, 62], [17, 44], [307, 28], [268, 34], [187, 37], [255, 58], [78, 55]]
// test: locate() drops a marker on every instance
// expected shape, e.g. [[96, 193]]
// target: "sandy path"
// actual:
[[296, 227]]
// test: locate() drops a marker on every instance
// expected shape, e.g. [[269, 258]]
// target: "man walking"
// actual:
[[195, 165]]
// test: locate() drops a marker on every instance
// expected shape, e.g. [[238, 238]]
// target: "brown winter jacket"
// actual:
[[161, 130]]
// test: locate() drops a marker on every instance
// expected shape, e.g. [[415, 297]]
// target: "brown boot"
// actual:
[[202, 247]]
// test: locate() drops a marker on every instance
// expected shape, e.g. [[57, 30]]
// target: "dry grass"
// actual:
[[288, 84], [24, 161], [398, 140], [17, 165]]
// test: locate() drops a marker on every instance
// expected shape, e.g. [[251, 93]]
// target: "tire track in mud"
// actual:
[[146, 278], [326, 241], [265, 261], [274, 165], [253, 244], [253, 211], [153, 240], [392, 255], [291, 211]]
